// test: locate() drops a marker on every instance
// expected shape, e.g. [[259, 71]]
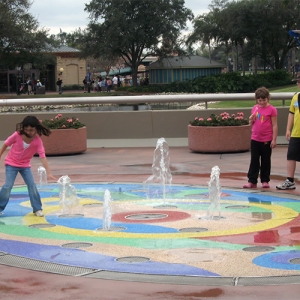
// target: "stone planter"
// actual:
[[219, 139], [65, 141]]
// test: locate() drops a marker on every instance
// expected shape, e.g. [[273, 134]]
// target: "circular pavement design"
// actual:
[[255, 242]]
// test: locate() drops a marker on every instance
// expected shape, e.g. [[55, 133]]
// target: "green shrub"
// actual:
[[232, 82]]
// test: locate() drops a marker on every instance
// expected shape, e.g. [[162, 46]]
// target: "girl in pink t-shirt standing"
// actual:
[[263, 139], [24, 143]]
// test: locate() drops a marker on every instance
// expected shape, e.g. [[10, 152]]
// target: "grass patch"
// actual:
[[246, 104]]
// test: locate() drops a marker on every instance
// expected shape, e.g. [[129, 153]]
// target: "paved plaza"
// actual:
[[158, 246]]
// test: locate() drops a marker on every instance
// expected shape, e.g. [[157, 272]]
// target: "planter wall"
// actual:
[[219, 139], [65, 141]]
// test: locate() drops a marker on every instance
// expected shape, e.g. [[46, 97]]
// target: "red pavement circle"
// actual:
[[170, 216]]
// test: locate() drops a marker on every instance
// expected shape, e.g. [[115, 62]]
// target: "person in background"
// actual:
[[99, 85], [293, 136], [59, 84], [29, 86], [103, 85], [95, 84], [33, 82], [25, 142], [115, 82], [38, 84], [84, 85], [263, 119], [88, 78], [108, 84]]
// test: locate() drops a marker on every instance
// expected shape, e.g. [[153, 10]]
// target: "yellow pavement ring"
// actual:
[[282, 215]]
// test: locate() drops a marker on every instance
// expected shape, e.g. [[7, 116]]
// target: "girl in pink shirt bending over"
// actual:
[[25, 142], [264, 134]]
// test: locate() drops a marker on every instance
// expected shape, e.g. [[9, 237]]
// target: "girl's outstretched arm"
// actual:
[[46, 166]]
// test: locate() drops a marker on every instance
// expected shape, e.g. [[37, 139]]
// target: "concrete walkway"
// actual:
[[134, 165]]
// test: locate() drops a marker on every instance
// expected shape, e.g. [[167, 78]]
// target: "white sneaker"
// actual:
[[39, 213], [287, 185]]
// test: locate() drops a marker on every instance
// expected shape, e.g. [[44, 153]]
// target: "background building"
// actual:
[[67, 65], [177, 68]]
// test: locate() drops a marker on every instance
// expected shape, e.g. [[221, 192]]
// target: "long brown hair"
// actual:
[[33, 122]]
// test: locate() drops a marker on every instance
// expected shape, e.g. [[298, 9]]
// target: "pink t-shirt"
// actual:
[[262, 128], [20, 156]]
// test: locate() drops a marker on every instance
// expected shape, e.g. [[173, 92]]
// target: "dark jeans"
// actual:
[[260, 161]]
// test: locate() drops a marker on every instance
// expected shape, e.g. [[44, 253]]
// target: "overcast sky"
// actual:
[[69, 14]]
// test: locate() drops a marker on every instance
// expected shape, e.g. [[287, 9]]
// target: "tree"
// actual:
[[205, 31], [74, 39], [20, 37], [134, 29], [279, 17], [257, 28], [101, 63]]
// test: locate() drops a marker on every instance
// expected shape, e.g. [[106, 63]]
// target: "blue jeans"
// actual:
[[11, 174]]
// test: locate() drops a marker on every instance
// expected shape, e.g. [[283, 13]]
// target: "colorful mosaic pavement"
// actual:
[[257, 233]]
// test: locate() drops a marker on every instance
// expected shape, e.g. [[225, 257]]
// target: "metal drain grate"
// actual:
[[258, 249], [133, 259], [93, 204], [38, 265], [193, 229], [295, 261], [146, 216], [166, 279], [165, 206], [272, 280], [112, 228], [237, 206], [77, 245], [42, 225], [71, 216]]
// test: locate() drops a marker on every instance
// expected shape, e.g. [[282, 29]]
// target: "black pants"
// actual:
[[260, 161]]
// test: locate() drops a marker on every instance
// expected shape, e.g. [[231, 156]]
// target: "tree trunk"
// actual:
[[134, 70]]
